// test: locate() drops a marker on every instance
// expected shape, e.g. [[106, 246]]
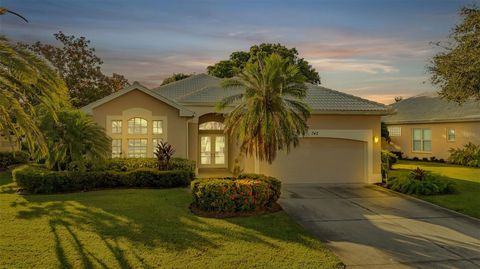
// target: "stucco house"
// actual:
[[426, 126], [342, 145]]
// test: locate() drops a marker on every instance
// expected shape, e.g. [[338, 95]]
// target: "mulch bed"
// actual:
[[222, 215]]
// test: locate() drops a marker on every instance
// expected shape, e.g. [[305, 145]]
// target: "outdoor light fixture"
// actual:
[[375, 139]]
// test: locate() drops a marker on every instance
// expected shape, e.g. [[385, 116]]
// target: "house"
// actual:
[[342, 145], [427, 126]]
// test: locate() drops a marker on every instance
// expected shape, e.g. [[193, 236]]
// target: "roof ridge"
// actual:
[[351, 95], [193, 92], [183, 80]]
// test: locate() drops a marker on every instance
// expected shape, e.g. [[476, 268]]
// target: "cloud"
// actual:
[[352, 65]]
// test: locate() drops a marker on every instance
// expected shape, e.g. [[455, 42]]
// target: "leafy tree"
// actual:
[[270, 114], [28, 88], [239, 59], [456, 69], [175, 77], [80, 68], [74, 141]]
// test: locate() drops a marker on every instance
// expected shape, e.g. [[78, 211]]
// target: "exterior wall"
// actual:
[[139, 104], [464, 132]]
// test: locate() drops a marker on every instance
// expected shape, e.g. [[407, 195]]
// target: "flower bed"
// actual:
[[248, 193]]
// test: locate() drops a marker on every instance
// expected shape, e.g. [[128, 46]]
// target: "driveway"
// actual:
[[371, 227]]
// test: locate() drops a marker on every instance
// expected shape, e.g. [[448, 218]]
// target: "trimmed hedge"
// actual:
[[247, 193], [128, 164], [40, 180], [11, 158]]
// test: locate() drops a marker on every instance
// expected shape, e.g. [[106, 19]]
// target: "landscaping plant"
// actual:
[[164, 153], [469, 155], [421, 182]]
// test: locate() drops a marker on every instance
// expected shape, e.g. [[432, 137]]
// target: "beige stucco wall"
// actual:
[[138, 104], [464, 132]]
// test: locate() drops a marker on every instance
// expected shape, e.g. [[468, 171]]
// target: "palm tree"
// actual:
[[269, 115], [5, 11], [28, 85], [74, 141]]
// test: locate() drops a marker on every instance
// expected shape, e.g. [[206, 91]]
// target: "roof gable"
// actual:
[[429, 107], [183, 111]]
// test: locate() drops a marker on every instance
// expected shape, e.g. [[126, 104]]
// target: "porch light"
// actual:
[[375, 139]]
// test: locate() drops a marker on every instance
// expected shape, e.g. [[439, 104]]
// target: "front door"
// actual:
[[213, 150]]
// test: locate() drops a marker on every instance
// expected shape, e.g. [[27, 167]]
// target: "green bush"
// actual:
[[389, 157], [469, 155], [36, 179], [421, 182], [128, 164], [11, 158], [229, 195]]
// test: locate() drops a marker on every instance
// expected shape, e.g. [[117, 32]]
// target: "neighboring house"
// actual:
[[342, 145], [427, 126]]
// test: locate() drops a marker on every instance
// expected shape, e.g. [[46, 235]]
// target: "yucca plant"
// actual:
[[270, 114], [164, 153]]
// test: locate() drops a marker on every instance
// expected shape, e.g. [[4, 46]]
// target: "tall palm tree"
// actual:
[[28, 85], [74, 141], [5, 11], [269, 115]]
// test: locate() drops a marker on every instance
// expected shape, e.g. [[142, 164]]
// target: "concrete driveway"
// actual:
[[370, 227]]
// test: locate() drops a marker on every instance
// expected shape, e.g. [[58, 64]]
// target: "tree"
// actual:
[[175, 77], [74, 141], [456, 69], [4, 11], [28, 88], [80, 68], [270, 114], [398, 99], [239, 59]]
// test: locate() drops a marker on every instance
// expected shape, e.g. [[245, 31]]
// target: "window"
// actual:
[[211, 125], [116, 126], [155, 142], [137, 148], [116, 148], [451, 134], [422, 140], [157, 127], [137, 126], [395, 131]]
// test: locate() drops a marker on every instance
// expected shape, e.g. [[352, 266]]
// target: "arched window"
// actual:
[[137, 126], [211, 125]]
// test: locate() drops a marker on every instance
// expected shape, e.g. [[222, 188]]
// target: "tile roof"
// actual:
[[206, 89], [429, 107]]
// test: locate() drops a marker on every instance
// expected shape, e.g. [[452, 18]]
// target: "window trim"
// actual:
[[454, 135], [421, 140]]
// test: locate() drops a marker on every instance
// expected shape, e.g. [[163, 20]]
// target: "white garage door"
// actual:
[[321, 160]]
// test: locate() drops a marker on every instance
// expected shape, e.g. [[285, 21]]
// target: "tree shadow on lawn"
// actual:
[[123, 223]]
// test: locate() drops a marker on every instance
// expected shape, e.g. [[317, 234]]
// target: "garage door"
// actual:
[[321, 160]]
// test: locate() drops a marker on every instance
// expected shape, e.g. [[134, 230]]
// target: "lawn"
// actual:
[[467, 181], [144, 228]]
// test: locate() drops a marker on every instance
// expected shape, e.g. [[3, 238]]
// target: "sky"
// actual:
[[370, 48]]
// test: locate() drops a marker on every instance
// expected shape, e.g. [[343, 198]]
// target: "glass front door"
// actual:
[[213, 150]]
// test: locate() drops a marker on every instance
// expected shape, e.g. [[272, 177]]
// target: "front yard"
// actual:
[[467, 181], [144, 228]]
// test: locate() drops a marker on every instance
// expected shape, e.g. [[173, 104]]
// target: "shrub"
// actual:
[[36, 179], [164, 153], [469, 155], [399, 154], [420, 182], [11, 158], [128, 164], [389, 157], [229, 195]]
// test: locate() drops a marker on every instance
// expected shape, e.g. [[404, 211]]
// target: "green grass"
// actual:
[[467, 182], [144, 228]]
